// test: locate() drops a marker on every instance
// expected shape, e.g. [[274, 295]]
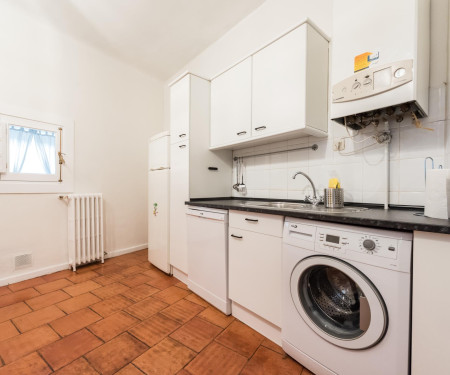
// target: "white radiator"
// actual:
[[85, 230]]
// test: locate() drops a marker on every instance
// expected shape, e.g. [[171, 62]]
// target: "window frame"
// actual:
[[31, 177], [38, 183]]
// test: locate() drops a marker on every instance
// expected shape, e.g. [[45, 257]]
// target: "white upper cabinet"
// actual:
[[284, 80], [278, 94], [231, 114], [288, 95], [180, 110]]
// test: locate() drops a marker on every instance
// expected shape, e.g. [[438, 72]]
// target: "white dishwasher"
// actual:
[[207, 233]]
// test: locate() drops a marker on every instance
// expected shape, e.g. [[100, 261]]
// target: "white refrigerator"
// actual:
[[158, 201]]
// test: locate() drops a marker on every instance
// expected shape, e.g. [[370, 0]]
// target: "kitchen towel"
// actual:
[[437, 193]]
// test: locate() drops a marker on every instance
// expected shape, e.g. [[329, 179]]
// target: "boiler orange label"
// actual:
[[364, 60]]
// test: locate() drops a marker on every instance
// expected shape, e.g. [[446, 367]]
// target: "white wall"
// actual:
[[115, 108], [361, 174]]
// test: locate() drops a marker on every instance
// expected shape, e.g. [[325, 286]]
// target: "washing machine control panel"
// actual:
[[343, 242]]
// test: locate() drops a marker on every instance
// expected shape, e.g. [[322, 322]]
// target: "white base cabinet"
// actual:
[[255, 263], [430, 304], [196, 172]]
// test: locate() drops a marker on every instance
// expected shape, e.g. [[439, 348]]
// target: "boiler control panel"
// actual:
[[373, 81]]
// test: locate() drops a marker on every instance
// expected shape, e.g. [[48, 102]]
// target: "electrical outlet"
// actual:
[[339, 144]]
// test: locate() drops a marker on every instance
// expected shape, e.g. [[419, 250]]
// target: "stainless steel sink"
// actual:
[[278, 205], [274, 205], [325, 210], [290, 206]]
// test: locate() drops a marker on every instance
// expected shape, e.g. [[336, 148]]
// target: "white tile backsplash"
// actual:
[[394, 175], [420, 143], [373, 177], [257, 179], [278, 194], [411, 198], [278, 160], [411, 175], [361, 172], [278, 179], [324, 154], [297, 159]]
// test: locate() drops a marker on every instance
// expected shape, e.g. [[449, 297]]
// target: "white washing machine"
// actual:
[[346, 298]]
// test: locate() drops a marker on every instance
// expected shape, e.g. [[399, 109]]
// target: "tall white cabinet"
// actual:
[[196, 172]]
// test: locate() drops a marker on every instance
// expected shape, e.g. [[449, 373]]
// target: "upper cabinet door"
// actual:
[[289, 76], [279, 84], [180, 109], [231, 105]]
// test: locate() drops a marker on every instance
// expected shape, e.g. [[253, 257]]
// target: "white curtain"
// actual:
[[32, 150], [45, 144], [19, 143]]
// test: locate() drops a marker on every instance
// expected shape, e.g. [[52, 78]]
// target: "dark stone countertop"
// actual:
[[402, 219]]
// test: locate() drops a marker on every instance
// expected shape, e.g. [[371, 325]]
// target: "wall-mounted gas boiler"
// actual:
[[380, 60]]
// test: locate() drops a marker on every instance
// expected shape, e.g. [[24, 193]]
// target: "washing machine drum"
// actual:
[[335, 295], [338, 302]]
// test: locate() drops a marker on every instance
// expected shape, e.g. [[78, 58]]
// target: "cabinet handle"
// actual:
[[260, 128], [182, 146], [251, 220], [241, 133], [182, 135], [233, 235]]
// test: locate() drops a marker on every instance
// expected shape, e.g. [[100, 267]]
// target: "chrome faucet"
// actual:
[[315, 200]]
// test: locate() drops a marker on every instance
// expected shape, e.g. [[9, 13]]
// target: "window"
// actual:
[[33, 155]]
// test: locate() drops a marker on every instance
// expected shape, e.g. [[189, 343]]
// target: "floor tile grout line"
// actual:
[[43, 358], [183, 325], [87, 360], [54, 330], [234, 350], [206, 320], [132, 326], [151, 346], [136, 366], [14, 324]]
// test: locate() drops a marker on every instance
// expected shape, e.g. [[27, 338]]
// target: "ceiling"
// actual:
[[157, 36]]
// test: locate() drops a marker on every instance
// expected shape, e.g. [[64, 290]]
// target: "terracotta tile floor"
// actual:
[[126, 317]]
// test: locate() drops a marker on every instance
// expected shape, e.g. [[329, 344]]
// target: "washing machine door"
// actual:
[[338, 302]]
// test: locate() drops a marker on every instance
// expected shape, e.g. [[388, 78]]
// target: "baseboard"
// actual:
[[180, 275], [117, 252], [15, 278], [264, 327], [34, 273]]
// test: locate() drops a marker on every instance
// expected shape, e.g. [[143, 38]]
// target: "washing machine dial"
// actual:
[[369, 244]]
